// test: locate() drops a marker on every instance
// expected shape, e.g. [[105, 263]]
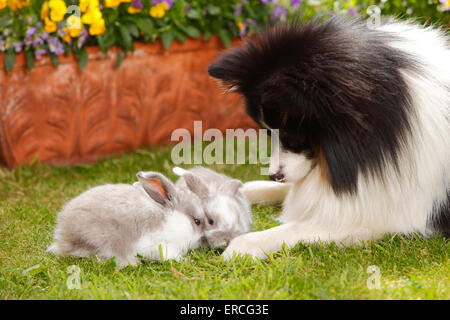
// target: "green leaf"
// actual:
[[206, 36], [54, 59], [167, 38], [213, 10], [119, 58], [192, 32], [66, 49], [179, 36], [133, 30], [5, 21], [145, 25], [108, 39], [101, 43], [30, 59], [193, 14], [225, 37], [10, 58], [83, 58], [126, 37]]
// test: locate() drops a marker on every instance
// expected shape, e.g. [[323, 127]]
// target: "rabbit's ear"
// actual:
[[230, 187], [196, 185], [158, 187]]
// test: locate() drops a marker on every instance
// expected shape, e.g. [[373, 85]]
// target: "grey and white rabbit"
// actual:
[[122, 221], [227, 209]]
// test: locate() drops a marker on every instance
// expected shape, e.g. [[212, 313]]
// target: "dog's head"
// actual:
[[332, 89]]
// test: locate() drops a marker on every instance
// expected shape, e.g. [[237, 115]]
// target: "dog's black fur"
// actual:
[[333, 89]]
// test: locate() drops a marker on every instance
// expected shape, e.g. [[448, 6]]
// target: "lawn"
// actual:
[[31, 195]]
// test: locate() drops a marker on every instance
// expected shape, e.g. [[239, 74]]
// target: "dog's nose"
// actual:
[[277, 176]]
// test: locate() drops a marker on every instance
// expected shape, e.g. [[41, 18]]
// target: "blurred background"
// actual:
[[81, 79]]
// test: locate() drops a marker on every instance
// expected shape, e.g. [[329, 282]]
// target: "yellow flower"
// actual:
[[112, 3], [86, 4], [17, 4], [66, 38], [97, 27], [240, 25], [75, 33], [3, 4], [159, 10], [58, 10], [50, 26], [44, 10], [133, 10], [92, 15], [74, 26]]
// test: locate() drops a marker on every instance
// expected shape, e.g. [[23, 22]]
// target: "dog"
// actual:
[[363, 119]]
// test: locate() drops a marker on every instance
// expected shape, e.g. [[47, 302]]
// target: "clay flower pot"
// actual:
[[63, 115]]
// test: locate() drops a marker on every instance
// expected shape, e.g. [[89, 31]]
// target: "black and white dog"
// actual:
[[364, 124]]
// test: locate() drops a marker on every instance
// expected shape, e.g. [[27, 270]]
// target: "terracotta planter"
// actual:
[[64, 116]]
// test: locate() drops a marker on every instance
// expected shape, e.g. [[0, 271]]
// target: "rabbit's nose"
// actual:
[[278, 177]]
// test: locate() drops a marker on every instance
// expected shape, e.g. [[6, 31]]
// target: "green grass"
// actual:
[[30, 197]]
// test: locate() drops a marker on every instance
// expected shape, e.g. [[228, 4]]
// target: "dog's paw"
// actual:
[[243, 246]]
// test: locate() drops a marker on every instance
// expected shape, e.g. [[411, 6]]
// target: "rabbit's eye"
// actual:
[[197, 222], [211, 221]]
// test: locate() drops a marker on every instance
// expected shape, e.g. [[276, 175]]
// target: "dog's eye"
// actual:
[[211, 221], [301, 139], [197, 222]]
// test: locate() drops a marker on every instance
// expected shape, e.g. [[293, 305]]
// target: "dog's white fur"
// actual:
[[397, 203]]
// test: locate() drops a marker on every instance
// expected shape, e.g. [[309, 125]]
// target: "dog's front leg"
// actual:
[[265, 192], [260, 244]]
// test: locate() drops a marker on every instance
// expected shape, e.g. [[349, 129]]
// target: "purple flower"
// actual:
[[18, 46], [238, 11], [137, 4], [62, 33], [279, 13], [39, 24], [187, 7], [37, 42], [38, 53], [296, 3], [84, 34], [352, 11], [44, 35], [31, 32], [266, 1], [243, 29], [28, 41], [55, 46], [2, 45]]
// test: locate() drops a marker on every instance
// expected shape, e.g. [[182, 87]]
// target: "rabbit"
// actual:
[[122, 221], [227, 209]]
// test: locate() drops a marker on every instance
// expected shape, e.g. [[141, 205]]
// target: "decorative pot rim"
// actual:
[[140, 49]]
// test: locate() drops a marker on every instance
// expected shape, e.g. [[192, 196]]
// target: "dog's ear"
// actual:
[[228, 69], [236, 67]]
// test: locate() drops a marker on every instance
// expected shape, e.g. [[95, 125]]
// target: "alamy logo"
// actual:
[[189, 150], [374, 281], [74, 280]]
